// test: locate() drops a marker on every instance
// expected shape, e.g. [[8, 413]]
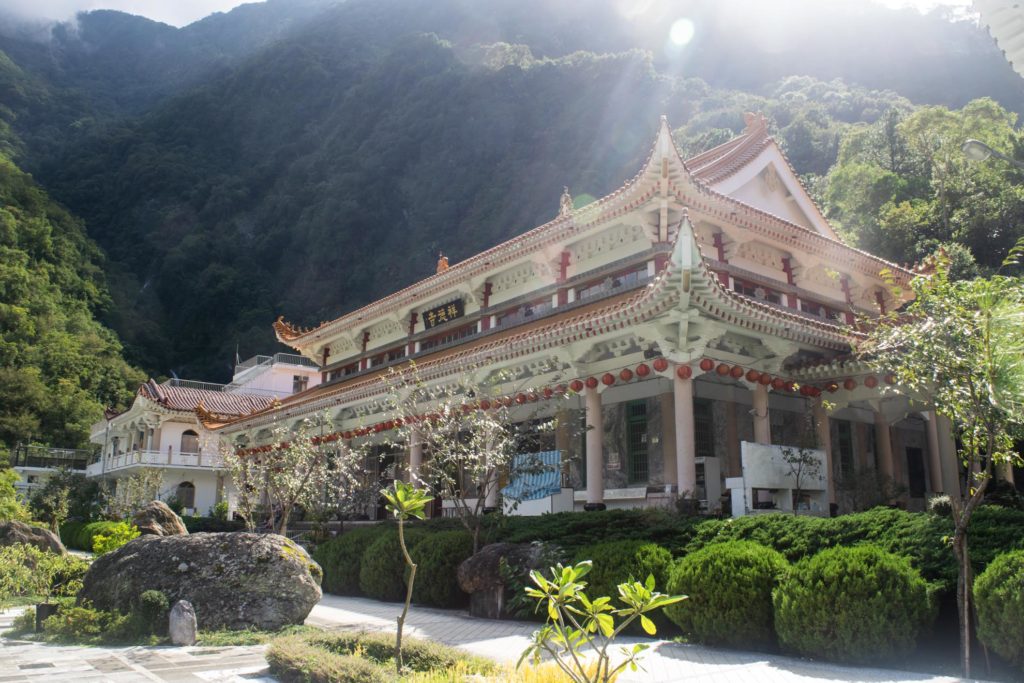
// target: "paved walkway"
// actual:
[[25, 661], [664, 662]]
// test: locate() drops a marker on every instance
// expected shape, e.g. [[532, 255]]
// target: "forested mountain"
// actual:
[[307, 157]]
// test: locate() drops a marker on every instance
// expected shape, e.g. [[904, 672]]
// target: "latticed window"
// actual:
[[189, 442], [636, 441], [703, 428], [845, 433]]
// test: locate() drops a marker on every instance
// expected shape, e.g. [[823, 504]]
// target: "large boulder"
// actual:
[[157, 519], [481, 575], [12, 532], [233, 580]]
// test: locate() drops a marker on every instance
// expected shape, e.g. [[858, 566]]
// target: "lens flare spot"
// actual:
[[681, 32]]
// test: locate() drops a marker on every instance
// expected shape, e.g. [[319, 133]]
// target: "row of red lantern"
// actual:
[[608, 379]]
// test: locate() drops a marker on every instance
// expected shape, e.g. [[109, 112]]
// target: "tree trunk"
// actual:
[[963, 598], [282, 528], [408, 596]]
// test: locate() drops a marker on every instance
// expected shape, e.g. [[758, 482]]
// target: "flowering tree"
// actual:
[[469, 432], [961, 345], [299, 467], [133, 492]]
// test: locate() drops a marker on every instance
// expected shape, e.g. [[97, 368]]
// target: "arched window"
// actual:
[[186, 494], [189, 442]]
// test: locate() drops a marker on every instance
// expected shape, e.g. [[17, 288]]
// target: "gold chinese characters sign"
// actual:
[[439, 315]]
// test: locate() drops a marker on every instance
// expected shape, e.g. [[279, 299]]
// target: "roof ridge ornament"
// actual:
[[565, 203], [442, 262], [755, 123]]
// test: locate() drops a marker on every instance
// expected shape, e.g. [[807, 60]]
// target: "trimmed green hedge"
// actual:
[[294, 660], [614, 562], [197, 525], [729, 589], [382, 570], [999, 599], [860, 605], [342, 556], [437, 557], [80, 535]]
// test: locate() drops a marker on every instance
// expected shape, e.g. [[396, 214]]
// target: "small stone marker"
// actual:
[[182, 624]]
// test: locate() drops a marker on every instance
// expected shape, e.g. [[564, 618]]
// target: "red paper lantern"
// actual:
[[576, 385], [560, 389], [736, 372], [660, 364], [790, 386], [348, 435], [591, 382], [626, 374], [723, 369], [815, 392], [765, 379], [871, 381], [805, 390], [520, 399], [849, 384], [532, 397], [643, 370], [778, 384], [608, 379], [706, 364], [548, 393], [485, 404], [753, 375], [684, 372]]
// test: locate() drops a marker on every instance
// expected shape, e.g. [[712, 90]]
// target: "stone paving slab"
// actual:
[[665, 662]]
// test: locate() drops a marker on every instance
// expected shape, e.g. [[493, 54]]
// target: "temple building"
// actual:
[[166, 427], [691, 331]]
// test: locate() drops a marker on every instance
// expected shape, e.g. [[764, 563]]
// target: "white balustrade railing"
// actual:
[[155, 459]]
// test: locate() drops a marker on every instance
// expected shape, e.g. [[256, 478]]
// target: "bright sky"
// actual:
[[182, 12]]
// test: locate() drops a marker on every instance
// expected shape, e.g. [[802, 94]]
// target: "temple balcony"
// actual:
[[158, 459]]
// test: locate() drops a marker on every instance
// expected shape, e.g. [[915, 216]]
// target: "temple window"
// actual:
[[623, 280], [703, 429], [189, 442], [186, 494], [523, 313], [299, 383], [636, 441], [758, 292], [449, 337], [845, 439]]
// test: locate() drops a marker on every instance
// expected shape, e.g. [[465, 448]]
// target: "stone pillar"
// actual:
[[156, 438], [934, 454], [668, 438], [823, 430], [883, 442], [595, 450], [686, 465], [948, 456], [415, 456], [762, 424]]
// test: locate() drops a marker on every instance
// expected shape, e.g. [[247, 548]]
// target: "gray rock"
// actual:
[[182, 623], [480, 575], [12, 532], [234, 580], [157, 519]]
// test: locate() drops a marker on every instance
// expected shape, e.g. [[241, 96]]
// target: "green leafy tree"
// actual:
[[960, 346], [11, 507], [405, 501], [577, 623]]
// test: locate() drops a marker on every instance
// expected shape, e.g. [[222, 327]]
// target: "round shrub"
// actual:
[[382, 570], [341, 558], [999, 599], [615, 562], [437, 557], [729, 588], [858, 604]]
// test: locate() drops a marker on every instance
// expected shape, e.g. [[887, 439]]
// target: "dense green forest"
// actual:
[[307, 157], [58, 367]]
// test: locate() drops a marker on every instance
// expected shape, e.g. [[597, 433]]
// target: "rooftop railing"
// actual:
[[51, 458]]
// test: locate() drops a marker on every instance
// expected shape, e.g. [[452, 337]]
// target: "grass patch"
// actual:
[[250, 636]]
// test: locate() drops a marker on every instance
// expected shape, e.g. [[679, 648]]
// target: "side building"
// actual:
[[700, 319], [165, 427]]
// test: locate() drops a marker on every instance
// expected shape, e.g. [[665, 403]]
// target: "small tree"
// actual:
[[469, 432], [577, 622], [52, 502], [405, 501], [300, 468], [11, 506], [803, 465], [132, 493], [960, 345]]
